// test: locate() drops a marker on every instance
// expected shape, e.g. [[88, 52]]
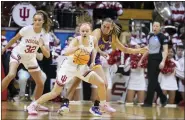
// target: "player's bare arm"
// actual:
[[124, 49], [94, 52], [11, 42], [73, 46], [44, 48], [97, 34]]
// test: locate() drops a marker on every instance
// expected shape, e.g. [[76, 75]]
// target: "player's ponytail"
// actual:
[[47, 21]]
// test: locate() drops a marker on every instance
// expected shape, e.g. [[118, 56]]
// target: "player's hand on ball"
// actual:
[[83, 48]]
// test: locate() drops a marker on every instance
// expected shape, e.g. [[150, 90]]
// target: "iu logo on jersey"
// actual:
[[23, 14]]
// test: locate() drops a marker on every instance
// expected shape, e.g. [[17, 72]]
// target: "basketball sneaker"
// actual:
[[95, 111], [42, 108], [106, 108], [63, 109], [32, 109]]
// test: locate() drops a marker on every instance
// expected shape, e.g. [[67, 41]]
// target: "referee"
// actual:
[[157, 54]]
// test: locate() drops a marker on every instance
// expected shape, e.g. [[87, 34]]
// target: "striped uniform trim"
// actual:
[[86, 73], [59, 84], [34, 67], [14, 58]]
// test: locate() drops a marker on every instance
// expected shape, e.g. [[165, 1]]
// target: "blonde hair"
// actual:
[[84, 19], [116, 29], [47, 21]]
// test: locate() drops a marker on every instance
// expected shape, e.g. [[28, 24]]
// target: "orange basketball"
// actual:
[[81, 57]]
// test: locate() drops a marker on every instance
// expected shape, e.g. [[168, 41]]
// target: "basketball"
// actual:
[[81, 57]]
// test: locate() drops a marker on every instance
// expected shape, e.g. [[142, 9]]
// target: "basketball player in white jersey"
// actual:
[[32, 37], [69, 70]]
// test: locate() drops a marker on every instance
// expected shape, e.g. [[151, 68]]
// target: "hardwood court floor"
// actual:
[[80, 110]]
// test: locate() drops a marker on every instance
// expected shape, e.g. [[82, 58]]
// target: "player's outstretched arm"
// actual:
[[11, 42], [125, 49]]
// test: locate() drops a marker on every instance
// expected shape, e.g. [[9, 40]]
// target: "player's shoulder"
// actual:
[[92, 37], [96, 32], [28, 27]]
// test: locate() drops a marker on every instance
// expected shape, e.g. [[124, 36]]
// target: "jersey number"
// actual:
[[30, 49]]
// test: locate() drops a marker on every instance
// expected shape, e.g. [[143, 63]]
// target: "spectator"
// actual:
[[167, 80], [178, 12]]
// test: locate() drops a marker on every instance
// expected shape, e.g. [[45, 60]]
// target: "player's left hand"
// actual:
[[41, 42]]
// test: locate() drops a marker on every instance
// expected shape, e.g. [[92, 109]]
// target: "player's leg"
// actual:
[[43, 78], [71, 90], [99, 70], [77, 94], [23, 76], [109, 82], [13, 65], [44, 98], [94, 93], [36, 75], [95, 79]]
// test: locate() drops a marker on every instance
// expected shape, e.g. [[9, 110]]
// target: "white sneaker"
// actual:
[[107, 108], [32, 109], [42, 108]]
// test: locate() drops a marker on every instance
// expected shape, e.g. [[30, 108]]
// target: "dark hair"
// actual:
[[47, 21], [116, 28]]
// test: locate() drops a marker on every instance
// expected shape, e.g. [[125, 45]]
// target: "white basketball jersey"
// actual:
[[90, 47], [29, 43]]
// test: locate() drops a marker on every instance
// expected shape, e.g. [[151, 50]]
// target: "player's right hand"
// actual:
[[83, 48]]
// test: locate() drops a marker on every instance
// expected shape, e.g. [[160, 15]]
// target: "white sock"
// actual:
[[102, 102]]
